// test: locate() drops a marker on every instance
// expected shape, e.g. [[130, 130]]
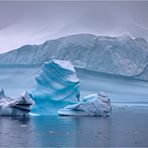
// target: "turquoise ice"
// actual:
[[57, 86]]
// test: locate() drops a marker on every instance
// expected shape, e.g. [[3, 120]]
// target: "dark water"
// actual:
[[125, 127]]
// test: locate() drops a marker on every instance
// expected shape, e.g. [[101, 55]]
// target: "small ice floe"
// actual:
[[15, 106], [91, 105]]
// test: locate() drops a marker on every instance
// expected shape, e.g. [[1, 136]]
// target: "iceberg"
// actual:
[[91, 105], [15, 106], [57, 86]]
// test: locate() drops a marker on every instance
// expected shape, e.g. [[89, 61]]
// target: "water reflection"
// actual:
[[55, 131], [72, 131], [14, 131], [94, 131]]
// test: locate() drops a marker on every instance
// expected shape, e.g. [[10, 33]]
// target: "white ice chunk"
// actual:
[[15, 106], [93, 105]]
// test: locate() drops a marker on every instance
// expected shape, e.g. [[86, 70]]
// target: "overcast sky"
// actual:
[[35, 22]]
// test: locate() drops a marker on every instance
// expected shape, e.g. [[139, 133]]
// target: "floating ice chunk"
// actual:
[[57, 86], [15, 106], [93, 105]]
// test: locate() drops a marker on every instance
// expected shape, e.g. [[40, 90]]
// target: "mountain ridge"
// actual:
[[122, 55]]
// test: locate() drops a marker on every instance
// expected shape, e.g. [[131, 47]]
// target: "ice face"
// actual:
[[57, 86]]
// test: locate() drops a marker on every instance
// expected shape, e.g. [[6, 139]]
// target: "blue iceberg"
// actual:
[[57, 86]]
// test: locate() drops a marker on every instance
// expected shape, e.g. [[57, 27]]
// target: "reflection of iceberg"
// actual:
[[57, 86], [13, 107], [94, 105]]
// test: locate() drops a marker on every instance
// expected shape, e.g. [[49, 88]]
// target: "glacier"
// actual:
[[15, 106], [122, 55], [57, 86]]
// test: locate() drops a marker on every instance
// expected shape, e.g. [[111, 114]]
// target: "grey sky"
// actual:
[[34, 22]]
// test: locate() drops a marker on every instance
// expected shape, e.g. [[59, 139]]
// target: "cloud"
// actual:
[[35, 22]]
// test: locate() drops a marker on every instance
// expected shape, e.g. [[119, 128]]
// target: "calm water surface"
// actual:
[[125, 127]]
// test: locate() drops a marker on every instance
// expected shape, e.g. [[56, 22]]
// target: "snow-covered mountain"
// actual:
[[116, 55]]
